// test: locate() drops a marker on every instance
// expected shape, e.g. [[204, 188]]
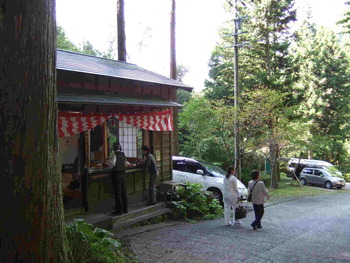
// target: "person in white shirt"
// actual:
[[230, 196], [259, 192]]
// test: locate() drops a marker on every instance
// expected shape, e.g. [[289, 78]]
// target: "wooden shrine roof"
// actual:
[[71, 61]]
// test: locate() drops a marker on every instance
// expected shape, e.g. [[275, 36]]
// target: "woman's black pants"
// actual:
[[259, 212]]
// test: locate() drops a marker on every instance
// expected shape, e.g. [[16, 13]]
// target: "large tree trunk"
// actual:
[[32, 218], [273, 159], [173, 40], [121, 31], [173, 74]]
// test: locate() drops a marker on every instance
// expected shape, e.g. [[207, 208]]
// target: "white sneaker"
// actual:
[[238, 222]]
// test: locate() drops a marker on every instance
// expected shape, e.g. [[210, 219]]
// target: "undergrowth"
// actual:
[[89, 244], [194, 203]]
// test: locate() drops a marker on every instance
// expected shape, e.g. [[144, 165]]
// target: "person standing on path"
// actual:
[[230, 196], [150, 164], [259, 192]]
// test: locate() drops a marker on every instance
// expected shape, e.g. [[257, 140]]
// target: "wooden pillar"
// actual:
[[105, 140], [84, 187], [87, 149]]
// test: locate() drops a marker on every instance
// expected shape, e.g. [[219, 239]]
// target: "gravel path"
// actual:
[[313, 229]]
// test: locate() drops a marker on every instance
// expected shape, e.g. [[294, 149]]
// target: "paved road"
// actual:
[[313, 229]]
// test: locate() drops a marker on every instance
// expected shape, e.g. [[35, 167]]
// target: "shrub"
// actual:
[[346, 172], [194, 203], [92, 244], [347, 177]]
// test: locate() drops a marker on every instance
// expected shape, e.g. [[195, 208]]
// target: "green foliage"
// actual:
[[207, 127], [263, 67], [265, 62], [63, 42], [345, 171], [294, 88], [183, 96], [345, 22], [181, 72], [346, 176], [91, 244], [88, 49], [194, 203], [321, 70]]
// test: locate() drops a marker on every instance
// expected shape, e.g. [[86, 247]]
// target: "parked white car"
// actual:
[[187, 170]]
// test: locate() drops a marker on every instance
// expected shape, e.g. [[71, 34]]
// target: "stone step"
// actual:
[[138, 211], [121, 224], [99, 220]]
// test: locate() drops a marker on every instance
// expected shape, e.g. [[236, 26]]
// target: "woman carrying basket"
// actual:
[[231, 196]]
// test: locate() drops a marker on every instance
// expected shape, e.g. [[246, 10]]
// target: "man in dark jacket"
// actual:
[[150, 164], [118, 164]]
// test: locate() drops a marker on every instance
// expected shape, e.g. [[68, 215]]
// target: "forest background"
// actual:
[[294, 84]]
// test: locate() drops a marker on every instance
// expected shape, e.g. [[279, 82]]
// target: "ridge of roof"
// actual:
[[84, 63], [92, 56]]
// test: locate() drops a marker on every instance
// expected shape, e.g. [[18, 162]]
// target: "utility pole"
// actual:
[[237, 27]]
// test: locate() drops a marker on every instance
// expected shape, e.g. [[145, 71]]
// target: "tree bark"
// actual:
[[32, 217], [173, 74], [173, 41], [273, 159], [121, 31]]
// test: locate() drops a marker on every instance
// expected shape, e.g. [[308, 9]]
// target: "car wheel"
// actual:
[[217, 195], [328, 185], [303, 181]]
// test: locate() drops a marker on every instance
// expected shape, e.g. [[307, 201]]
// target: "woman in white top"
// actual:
[[230, 195], [259, 192]]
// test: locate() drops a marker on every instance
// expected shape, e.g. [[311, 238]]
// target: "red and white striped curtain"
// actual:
[[74, 123], [154, 121]]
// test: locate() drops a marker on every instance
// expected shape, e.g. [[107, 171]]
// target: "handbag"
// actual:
[[249, 199], [241, 212]]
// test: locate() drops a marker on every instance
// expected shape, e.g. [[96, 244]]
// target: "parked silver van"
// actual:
[[296, 165], [321, 176]]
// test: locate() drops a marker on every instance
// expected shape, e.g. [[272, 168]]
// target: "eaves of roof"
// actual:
[[112, 100]]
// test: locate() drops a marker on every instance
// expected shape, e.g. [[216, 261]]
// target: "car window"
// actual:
[[192, 167], [179, 165], [307, 171], [214, 170], [318, 173], [333, 171]]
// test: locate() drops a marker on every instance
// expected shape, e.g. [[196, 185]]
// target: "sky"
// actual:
[[147, 25]]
